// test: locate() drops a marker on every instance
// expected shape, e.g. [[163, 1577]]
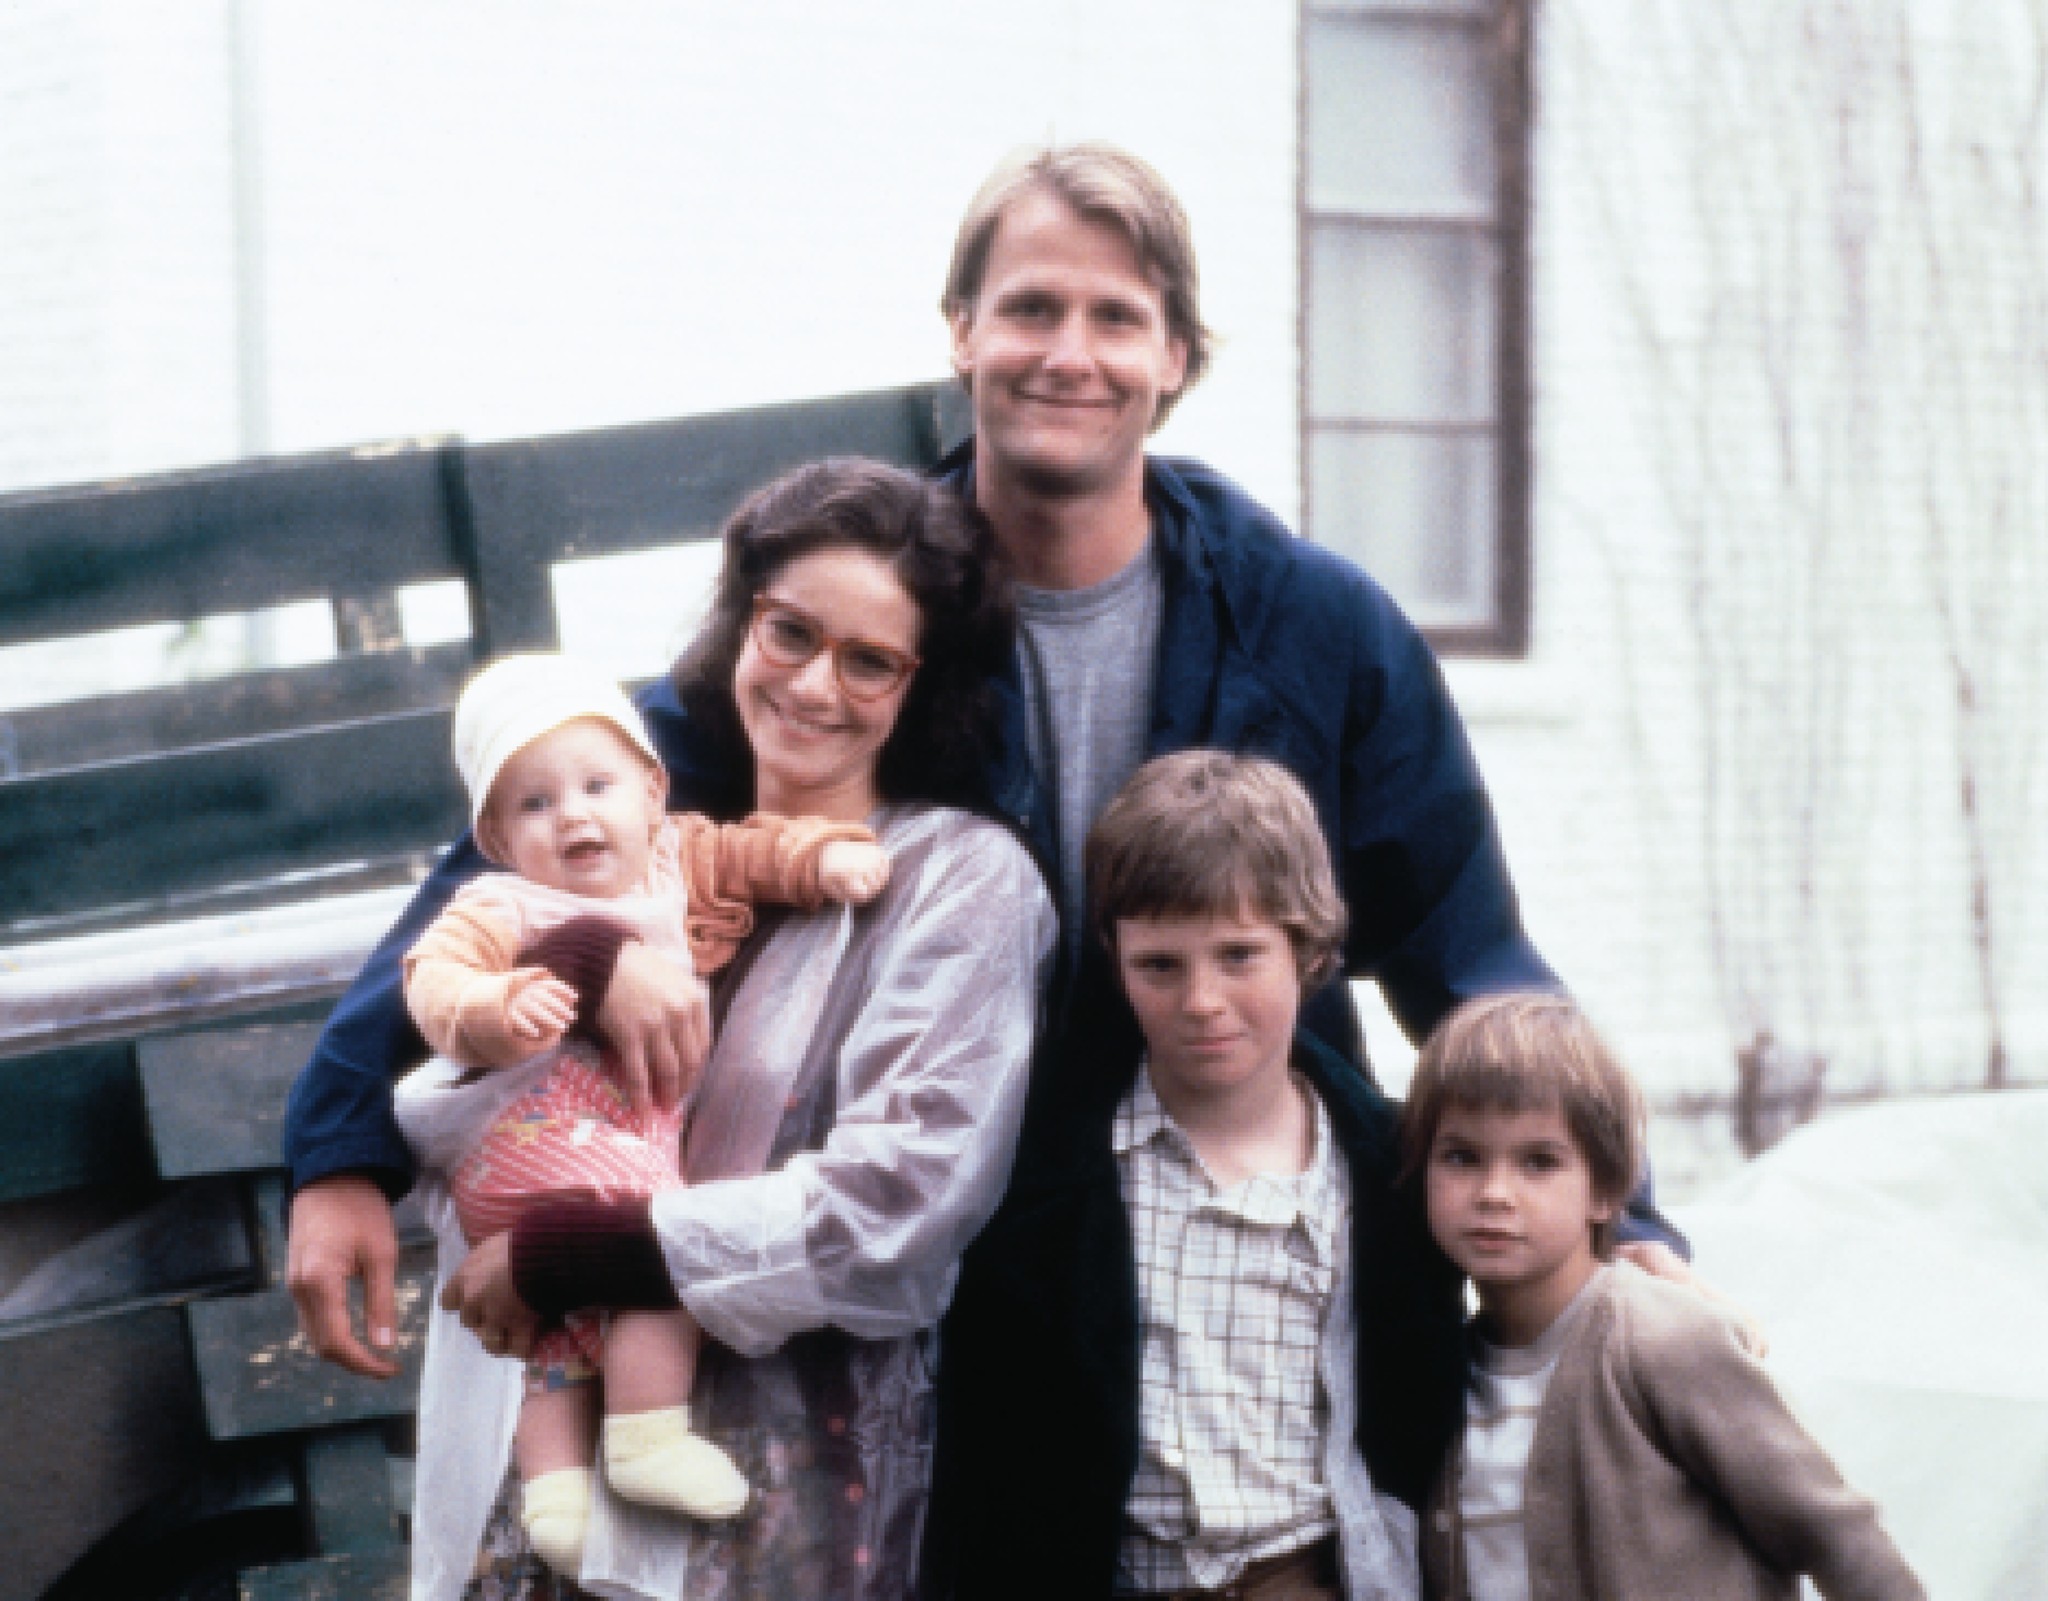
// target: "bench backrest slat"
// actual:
[[160, 802], [223, 815], [150, 722], [190, 545], [533, 502]]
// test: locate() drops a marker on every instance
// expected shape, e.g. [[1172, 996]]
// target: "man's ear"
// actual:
[[1177, 367], [1173, 380], [959, 324]]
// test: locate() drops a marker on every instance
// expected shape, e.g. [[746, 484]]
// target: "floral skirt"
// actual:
[[506, 1568], [835, 1436]]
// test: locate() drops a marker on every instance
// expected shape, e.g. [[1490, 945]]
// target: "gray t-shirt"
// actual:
[[1087, 658]]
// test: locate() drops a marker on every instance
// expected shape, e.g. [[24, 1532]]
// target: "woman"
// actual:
[[854, 1125]]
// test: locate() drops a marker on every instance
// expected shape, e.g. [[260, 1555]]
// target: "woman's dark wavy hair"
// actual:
[[943, 553]]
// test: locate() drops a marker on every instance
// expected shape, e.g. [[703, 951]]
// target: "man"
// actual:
[[1161, 608]]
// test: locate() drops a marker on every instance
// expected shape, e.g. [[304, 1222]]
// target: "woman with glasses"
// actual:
[[854, 1124]]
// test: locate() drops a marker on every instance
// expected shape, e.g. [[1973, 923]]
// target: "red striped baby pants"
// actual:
[[573, 1136]]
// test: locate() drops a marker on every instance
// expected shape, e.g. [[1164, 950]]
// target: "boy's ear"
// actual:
[[657, 789], [488, 839]]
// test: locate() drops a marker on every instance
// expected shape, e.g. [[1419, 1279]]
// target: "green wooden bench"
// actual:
[[184, 1433]]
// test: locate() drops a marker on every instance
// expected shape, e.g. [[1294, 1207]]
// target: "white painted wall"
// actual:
[[548, 217], [117, 261], [1703, 171], [540, 218], [551, 218]]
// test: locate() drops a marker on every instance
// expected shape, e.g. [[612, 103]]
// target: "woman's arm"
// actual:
[[864, 1233], [653, 1013]]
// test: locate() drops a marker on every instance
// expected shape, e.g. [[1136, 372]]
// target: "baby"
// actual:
[[568, 793]]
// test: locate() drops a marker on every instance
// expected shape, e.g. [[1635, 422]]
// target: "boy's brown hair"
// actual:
[[1202, 833], [1527, 1052]]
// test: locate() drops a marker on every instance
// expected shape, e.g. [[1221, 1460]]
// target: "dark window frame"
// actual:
[[1507, 633]]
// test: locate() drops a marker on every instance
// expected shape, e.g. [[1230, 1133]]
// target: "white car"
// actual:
[[1897, 1257]]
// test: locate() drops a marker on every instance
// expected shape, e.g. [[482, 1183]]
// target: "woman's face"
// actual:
[[815, 745]]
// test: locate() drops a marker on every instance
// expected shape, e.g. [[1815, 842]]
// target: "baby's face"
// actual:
[[576, 810]]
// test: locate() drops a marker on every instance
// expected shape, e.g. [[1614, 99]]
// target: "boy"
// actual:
[[568, 794], [1621, 1442], [1205, 1345]]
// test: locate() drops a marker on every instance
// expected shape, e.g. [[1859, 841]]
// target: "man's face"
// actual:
[[1066, 351]]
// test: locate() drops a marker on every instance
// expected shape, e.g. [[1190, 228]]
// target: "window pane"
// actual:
[[1401, 323], [1415, 510], [1399, 115]]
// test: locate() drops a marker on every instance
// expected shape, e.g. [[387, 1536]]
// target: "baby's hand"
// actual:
[[852, 872], [538, 1006]]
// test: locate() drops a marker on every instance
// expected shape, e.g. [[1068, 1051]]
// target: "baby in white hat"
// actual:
[[568, 794]]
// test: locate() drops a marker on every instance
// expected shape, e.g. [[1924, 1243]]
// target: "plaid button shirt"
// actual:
[[1233, 1288]]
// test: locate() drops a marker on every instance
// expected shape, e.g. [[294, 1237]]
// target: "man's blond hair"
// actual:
[[1105, 185]]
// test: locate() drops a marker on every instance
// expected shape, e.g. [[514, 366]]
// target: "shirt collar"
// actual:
[[1312, 1197], [1140, 1118]]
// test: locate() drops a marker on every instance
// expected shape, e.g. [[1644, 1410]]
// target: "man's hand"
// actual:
[[657, 1019], [481, 1293], [341, 1230], [1658, 1260], [539, 1007], [853, 872]]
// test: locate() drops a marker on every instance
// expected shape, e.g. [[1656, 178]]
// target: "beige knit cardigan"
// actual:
[[1665, 1464]]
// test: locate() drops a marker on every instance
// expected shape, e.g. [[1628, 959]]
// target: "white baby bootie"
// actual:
[[555, 1510], [655, 1458]]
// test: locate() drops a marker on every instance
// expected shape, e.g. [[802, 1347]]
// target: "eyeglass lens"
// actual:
[[791, 639]]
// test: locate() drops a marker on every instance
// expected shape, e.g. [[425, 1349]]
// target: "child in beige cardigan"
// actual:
[[568, 794], [1621, 1441]]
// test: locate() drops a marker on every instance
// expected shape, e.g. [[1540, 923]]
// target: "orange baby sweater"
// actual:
[[696, 905]]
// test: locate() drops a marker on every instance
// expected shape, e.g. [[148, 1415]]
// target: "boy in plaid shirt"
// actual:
[[1206, 1348]]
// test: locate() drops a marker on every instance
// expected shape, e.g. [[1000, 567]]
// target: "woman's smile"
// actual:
[[804, 722], [815, 746]]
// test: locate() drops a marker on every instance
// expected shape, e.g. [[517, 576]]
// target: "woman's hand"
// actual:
[[481, 1293], [657, 1019]]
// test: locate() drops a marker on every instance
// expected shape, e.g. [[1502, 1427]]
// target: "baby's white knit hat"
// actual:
[[516, 699]]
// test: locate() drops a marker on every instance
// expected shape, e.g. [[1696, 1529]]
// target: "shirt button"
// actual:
[[1173, 1456]]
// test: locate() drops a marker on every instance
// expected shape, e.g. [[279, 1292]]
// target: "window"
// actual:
[[1414, 313]]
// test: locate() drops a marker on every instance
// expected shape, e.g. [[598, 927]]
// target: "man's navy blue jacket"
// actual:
[[1268, 645]]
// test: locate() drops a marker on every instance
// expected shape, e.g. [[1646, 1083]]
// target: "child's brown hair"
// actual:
[[1202, 833], [1524, 1052]]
